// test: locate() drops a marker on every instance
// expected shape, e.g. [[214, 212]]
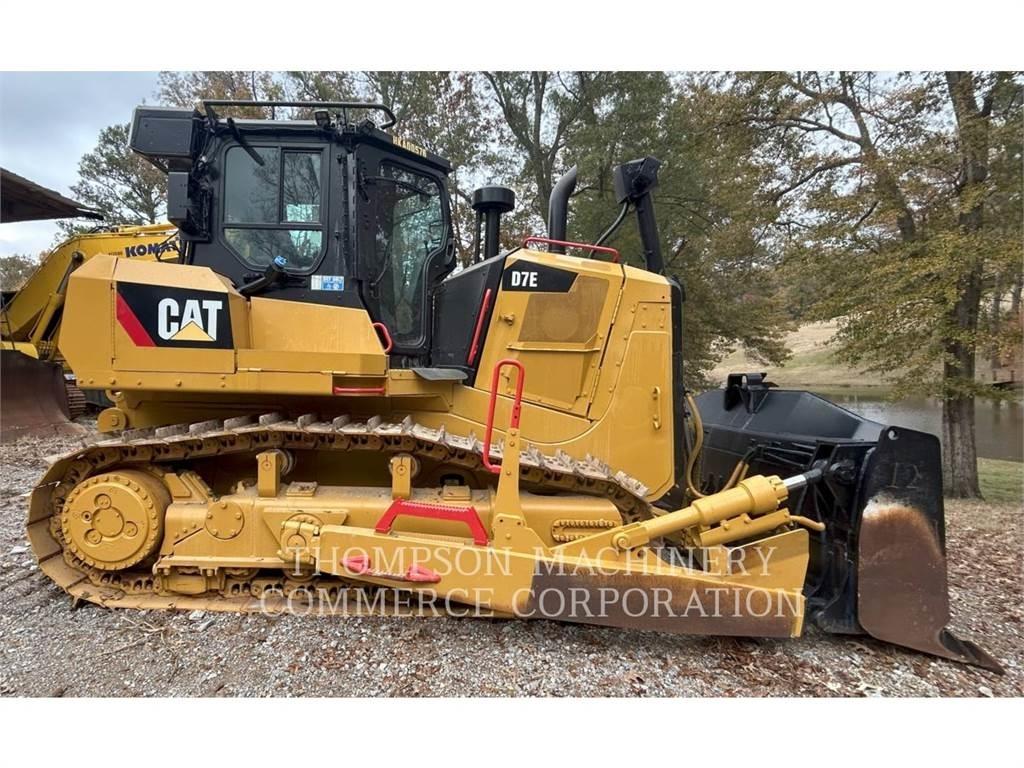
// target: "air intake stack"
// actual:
[[490, 203], [633, 182]]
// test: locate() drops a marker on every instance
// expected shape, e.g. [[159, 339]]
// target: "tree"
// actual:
[[710, 203], [442, 111], [15, 270], [540, 112], [188, 89], [895, 212], [123, 186]]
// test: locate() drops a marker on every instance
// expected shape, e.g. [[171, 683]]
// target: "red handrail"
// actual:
[[467, 515], [517, 404], [381, 328], [566, 244], [475, 346]]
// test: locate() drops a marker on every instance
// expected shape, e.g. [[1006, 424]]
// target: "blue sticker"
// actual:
[[328, 283]]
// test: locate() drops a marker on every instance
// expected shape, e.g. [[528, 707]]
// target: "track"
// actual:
[[77, 404], [270, 590]]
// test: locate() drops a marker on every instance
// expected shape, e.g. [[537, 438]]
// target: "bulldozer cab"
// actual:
[[331, 211]]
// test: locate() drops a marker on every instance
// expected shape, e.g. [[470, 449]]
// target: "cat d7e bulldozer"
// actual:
[[315, 410]]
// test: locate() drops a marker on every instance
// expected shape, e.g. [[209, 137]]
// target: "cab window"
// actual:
[[409, 228], [274, 209]]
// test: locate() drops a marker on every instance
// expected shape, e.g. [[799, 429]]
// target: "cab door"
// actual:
[[405, 246]]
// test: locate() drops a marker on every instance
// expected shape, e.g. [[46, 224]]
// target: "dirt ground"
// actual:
[[50, 649]]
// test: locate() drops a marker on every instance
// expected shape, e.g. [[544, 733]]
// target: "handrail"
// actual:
[[566, 244], [380, 327], [474, 347], [517, 404], [343, 105]]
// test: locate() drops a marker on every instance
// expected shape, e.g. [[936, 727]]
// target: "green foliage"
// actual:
[[188, 89], [877, 194], [123, 186], [709, 204], [15, 270]]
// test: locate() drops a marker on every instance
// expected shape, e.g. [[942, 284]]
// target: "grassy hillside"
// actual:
[[812, 365], [1001, 481]]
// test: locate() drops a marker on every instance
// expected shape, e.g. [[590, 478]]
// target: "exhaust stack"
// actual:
[[558, 208]]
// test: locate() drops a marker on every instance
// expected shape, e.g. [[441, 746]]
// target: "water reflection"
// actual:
[[1000, 426]]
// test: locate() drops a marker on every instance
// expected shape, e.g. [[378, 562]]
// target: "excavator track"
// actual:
[[77, 402], [263, 591]]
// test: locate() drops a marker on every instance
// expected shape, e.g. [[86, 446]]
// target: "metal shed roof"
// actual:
[[24, 200]]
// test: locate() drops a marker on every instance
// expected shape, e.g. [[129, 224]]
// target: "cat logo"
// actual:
[[165, 316], [197, 321]]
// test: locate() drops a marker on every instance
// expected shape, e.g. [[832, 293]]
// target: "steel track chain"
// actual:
[[248, 434]]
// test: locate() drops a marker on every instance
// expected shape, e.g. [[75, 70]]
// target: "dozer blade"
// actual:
[[879, 567], [33, 398], [902, 588]]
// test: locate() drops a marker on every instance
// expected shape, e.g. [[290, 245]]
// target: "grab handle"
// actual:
[[517, 403]]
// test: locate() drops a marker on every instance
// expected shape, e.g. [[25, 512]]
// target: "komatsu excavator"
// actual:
[[39, 394], [315, 410]]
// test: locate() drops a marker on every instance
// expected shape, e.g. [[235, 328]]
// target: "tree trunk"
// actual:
[[960, 456], [960, 462]]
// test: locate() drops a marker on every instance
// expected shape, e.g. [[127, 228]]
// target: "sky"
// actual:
[[48, 120]]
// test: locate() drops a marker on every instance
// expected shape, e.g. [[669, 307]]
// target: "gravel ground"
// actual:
[[50, 649]]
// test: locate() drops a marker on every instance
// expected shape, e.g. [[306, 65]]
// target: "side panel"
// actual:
[[21, 313], [295, 336], [552, 313], [458, 305], [596, 340], [136, 326]]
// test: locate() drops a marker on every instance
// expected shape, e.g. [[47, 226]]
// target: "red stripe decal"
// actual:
[[131, 324]]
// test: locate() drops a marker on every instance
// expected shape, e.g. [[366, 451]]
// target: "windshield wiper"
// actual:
[[242, 142]]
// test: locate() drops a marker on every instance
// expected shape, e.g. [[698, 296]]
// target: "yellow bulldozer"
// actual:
[[315, 410], [39, 393]]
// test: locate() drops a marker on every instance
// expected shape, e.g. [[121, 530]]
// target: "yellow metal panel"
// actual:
[[297, 336], [87, 335], [176, 276], [557, 336], [640, 289], [20, 315]]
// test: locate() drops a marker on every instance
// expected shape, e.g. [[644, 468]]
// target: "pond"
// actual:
[[999, 426]]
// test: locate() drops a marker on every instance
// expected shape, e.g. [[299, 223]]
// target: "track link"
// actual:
[[247, 592]]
